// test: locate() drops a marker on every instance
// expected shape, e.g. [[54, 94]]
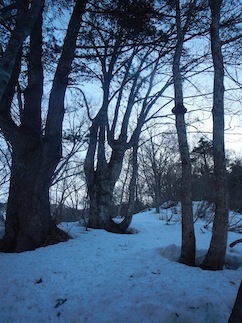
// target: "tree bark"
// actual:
[[236, 315], [215, 257]]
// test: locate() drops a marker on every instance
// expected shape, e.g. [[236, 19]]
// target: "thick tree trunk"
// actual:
[[28, 220], [101, 211], [236, 315], [216, 254], [101, 201], [100, 185]]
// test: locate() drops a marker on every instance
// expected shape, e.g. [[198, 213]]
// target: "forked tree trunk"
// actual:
[[101, 201], [215, 257], [102, 209], [100, 184]]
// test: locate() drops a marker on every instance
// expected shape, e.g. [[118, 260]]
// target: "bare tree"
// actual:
[[188, 248], [159, 157], [126, 69], [202, 170], [215, 257]]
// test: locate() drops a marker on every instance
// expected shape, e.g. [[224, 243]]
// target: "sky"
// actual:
[[99, 276]]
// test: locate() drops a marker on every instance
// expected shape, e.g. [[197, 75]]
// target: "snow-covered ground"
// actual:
[[104, 277]]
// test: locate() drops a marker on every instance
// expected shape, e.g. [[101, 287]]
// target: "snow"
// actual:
[[103, 277]]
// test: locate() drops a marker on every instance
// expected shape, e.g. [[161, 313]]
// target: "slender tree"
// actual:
[[215, 257], [188, 236]]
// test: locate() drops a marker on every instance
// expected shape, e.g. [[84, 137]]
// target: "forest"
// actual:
[[111, 108]]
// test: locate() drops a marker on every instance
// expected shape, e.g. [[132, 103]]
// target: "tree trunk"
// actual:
[[101, 211], [100, 185], [101, 201], [188, 236], [188, 248], [28, 220], [132, 188], [236, 315], [215, 257]]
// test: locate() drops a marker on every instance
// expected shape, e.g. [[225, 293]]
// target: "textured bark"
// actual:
[[215, 257], [188, 248], [236, 315]]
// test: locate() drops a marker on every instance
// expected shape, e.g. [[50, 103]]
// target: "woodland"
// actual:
[[98, 101]]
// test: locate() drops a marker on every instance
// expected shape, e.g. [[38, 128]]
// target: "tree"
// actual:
[[36, 153], [159, 158], [215, 257], [126, 69], [188, 237], [202, 170], [235, 185]]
